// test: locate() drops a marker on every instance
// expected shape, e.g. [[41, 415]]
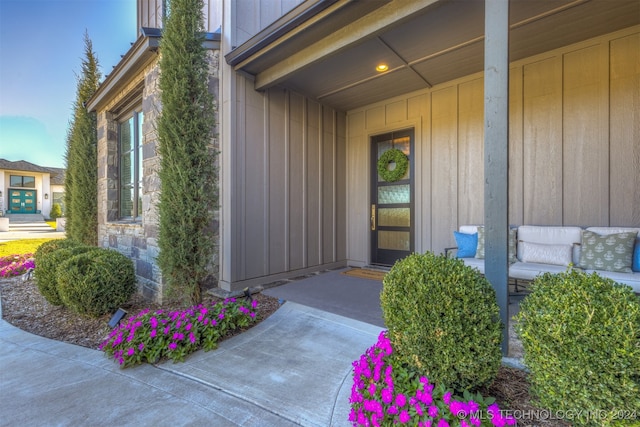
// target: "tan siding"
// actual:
[[314, 157], [418, 109], [278, 188], [444, 163], [396, 112], [543, 142], [585, 142], [625, 131], [358, 189], [296, 212], [257, 15], [574, 145], [471, 152], [255, 189], [328, 182], [516, 184], [341, 187], [293, 209], [375, 117]]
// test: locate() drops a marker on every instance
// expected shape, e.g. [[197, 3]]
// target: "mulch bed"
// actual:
[[25, 308]]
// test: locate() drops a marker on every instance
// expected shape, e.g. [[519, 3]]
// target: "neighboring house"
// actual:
[[57, 187], [26, 188], [311, 93]]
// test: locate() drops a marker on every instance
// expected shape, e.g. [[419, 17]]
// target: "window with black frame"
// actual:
[[22, 181], [130, 166]]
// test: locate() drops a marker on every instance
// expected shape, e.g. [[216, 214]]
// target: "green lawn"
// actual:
[[19, 247]]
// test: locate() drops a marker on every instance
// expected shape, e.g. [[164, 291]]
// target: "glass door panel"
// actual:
[[391, 200]]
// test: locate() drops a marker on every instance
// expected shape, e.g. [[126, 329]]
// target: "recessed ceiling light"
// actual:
[[382, 67]]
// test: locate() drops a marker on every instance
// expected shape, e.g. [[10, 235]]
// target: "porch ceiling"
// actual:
[[423, 43]]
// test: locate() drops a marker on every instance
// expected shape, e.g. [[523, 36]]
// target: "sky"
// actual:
[[41, 54]]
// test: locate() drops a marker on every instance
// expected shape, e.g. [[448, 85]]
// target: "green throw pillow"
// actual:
[[513, 257], [611, 252]]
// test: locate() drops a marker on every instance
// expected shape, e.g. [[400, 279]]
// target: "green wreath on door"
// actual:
[[399, 158]]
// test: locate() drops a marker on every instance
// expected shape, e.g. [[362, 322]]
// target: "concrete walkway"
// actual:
[[294, 368], [29, 227]]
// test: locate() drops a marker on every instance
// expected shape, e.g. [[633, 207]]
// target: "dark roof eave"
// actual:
[[286, 23], [145, 48], [141, 52]]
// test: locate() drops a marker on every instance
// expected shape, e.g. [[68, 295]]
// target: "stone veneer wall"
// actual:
[[138, 240]]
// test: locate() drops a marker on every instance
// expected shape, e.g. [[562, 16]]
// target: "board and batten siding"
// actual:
[[256, 16], [288, 193], [150, 14], [574, 142]]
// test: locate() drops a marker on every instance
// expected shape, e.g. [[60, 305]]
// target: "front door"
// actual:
[[22, 201], [391, 197]]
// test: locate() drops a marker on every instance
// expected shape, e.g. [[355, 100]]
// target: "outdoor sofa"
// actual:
[[612, 252]]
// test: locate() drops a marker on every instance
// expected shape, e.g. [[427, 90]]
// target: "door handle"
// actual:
[[373, 217]]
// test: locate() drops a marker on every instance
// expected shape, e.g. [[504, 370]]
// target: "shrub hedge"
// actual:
[[443, 320], [581, 337], [48, 257], [96, 282]]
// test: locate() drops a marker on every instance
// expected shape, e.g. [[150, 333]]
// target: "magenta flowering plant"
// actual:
[[386, 392], [15, 265], [154, 336]]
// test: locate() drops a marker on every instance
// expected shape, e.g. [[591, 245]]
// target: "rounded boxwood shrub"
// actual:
[[53, 245], [443, 320], [96, 282], [48, 258], [581, 338]]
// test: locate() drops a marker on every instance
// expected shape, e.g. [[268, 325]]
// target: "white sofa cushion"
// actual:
[[530, 270], [630, 279], [546, 254], [475, 263], [551, 235]]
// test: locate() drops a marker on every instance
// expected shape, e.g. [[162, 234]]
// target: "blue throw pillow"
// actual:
[[636, 257], [467, 244]]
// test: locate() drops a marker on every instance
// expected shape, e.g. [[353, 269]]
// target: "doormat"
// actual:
[[365, 273]]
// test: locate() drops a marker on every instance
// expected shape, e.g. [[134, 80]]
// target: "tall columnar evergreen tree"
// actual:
[[188, 193], [81, 180]]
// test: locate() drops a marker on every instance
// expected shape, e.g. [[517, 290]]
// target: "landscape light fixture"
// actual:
[[116, 318], [247, 294]]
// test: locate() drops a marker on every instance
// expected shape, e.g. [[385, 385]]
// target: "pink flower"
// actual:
[[419, 410], [401, 400], [173, 346], [130, 351], [404, 417], [387, 396], [433, 411]]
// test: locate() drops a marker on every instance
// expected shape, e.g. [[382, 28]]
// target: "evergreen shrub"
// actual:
[[96, 282], [48, 257], [443, 320], [581, 338], [56, 211]]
